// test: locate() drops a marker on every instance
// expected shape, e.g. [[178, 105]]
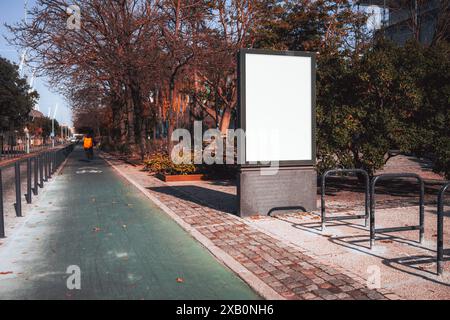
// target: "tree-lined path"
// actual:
[[125, 247]]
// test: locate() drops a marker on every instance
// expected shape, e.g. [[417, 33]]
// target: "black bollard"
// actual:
[[2, 218], [18, 204], [41, 171], [45, 167], [36, 175], [28, 195]]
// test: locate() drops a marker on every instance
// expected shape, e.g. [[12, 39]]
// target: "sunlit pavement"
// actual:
[[406, 267], [271, 265], [125, 247]]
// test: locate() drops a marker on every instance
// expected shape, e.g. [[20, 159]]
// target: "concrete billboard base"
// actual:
[[290, 189]]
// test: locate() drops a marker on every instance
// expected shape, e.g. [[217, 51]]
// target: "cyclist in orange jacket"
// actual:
[[88, 145]]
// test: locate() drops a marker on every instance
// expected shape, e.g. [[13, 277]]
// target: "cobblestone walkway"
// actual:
[[290, 271]]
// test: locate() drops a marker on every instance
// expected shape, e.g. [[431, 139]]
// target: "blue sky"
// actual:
[[13, 11]]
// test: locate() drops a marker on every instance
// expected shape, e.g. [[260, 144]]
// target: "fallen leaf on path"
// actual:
[[180, 280], [96, 229], [386, 241], [6, 272], [124, 226]]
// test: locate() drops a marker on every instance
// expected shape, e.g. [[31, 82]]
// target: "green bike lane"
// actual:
[[124, 245]]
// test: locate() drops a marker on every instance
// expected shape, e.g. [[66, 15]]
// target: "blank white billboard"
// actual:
[[277, 106]]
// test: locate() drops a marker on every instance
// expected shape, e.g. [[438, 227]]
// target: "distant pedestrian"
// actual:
[[88, 145]]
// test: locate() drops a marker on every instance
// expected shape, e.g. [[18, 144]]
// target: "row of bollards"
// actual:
[[2, 218], [40, 169]]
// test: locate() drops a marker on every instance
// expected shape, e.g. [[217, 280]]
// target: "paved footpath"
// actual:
[[272, 267], [125, 246]]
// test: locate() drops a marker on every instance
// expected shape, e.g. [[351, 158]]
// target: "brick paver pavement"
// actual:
[[290, 271]]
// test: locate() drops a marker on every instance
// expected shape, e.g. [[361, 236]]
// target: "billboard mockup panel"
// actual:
[[277, 99]]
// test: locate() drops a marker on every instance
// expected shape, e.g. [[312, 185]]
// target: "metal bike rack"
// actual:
[[365, 216], [419, 227], [440, 228]]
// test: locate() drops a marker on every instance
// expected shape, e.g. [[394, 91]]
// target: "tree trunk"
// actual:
[[123, 130], [170, 116], [119, 130], [130, 114], [225, 121], [139, 119]]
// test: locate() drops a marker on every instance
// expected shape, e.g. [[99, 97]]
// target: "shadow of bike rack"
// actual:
[[440, 228], [419, 227], [365, 216]]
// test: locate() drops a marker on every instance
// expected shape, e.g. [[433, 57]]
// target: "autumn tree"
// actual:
[[231, 27], [112, 47]]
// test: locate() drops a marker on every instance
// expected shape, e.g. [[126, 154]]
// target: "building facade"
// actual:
[[403, 20]]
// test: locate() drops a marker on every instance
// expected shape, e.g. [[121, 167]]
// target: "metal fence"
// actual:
[[38, 168], [15, 146]]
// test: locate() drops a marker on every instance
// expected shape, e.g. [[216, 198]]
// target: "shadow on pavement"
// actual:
[[360, 243], [202, 196]]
